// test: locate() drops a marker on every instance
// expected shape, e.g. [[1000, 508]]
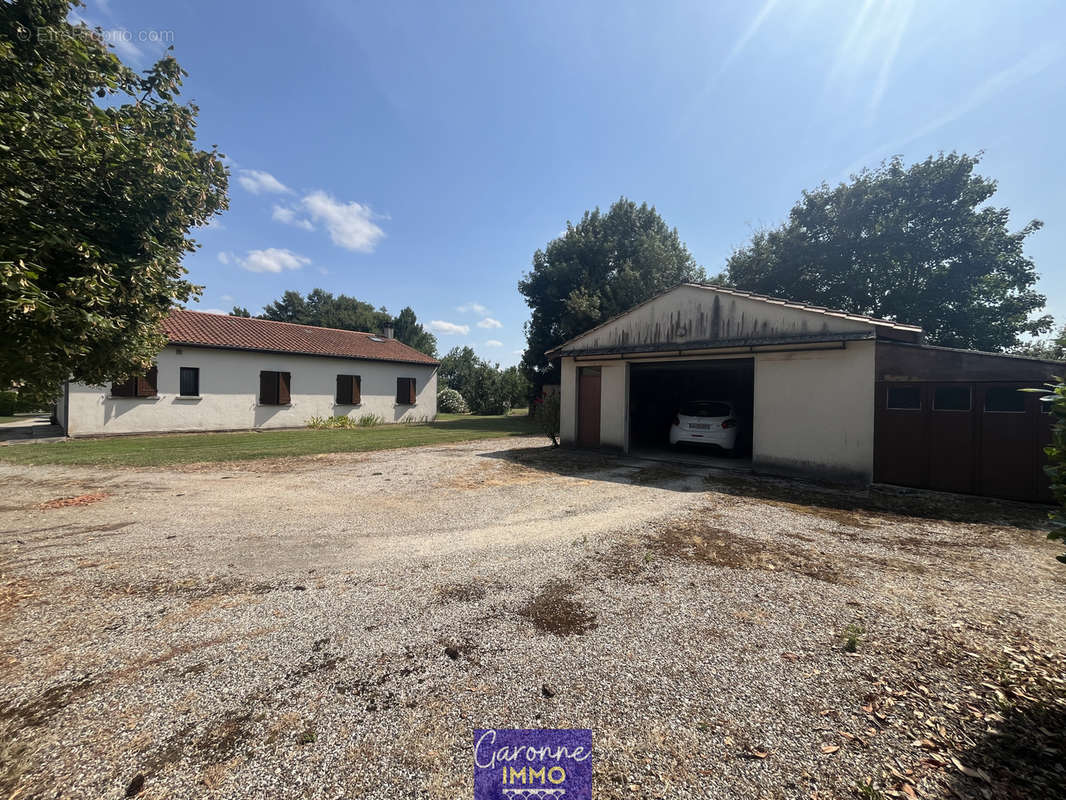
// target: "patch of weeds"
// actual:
[[695, 539], [461, 592], [554, 610], [868, 791], [854, 635], [306, 736]]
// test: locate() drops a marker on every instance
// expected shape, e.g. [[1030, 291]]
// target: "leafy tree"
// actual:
[[600, 267], [1056, 453], [411, 333], [240, 311], [100, 184], [915, 244], [546, 415], [457, 369], [486, 388], [1053, 349], [516, 387], [324, 310]]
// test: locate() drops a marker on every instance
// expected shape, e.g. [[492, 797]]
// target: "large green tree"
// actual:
[[101, 183], [917, 244], [600, 267], [326, 310], [486, 388], [411, 332]]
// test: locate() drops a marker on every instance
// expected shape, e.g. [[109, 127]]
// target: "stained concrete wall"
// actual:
[[701, 314], [814, 413], [229, 394]]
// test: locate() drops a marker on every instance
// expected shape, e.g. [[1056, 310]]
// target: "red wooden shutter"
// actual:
[[124, 389], [357, 390], [146, 384], [268, 388], [411, 391], [344, 389], [284, 379]]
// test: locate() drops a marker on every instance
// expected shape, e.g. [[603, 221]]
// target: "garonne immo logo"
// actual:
[[533, 764]]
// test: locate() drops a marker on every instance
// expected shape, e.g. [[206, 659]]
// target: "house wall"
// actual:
[[814, 412], [229, 394]]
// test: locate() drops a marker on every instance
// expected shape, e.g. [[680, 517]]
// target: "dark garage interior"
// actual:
[[656, 392]]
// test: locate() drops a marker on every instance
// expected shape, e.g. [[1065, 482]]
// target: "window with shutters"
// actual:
[[349, 390], [405, 391], [275, 388], [189, 384], [141, 386]]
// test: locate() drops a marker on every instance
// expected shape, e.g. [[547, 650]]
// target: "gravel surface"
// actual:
[[338, 626]]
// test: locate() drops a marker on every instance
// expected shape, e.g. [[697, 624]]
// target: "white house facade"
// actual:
[[231, 373]]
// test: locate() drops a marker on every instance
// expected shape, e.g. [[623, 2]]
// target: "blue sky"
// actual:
[[418, 153]]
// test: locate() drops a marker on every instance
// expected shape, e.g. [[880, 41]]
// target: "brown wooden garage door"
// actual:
[[588, 407], [983, 438]]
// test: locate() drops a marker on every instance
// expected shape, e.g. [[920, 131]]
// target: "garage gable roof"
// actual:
[[200, 329], [714, 315]]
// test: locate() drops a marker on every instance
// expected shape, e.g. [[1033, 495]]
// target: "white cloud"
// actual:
[[259, 182], [493, 343], [224, 257], [213, 311], [273, 259], [449, 328], [226, 298], [477, 308], [518, 352], [489, 322], [350, 225], [288, 216]]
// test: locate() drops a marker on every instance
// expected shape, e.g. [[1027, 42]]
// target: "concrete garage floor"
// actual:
[[692, 457], [338, 626]]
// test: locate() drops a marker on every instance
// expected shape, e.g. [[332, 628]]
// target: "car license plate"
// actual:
[[698, 426]]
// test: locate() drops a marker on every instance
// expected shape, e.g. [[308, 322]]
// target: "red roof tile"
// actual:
[[242, 333]]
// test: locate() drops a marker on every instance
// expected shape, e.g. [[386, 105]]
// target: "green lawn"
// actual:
[[186, 448]]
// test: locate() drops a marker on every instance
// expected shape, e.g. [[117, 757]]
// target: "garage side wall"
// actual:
[[614, 405], [229, 394], [814, 413], [568, 403]]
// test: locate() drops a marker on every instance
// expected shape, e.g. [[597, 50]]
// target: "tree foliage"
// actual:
[[486, 388], [1052, 349], [323, 309], [1056, 453], [100, 184], [600, 267], [919, 245]]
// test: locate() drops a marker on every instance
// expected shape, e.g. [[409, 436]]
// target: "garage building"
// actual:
[[814, 392]]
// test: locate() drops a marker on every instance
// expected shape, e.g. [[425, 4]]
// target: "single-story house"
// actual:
[[815, 392], [221, 373]]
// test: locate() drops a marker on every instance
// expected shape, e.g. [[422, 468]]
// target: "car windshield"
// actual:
[[705, 408]]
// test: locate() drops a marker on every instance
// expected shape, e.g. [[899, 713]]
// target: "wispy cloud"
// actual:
[[273, 259], [1026, 68], [477, 308], [290, 217], [350, 225], [489, 322], [749, 33], [898, 18], [259, 182], [226, 298], [449, 328], [213, 311], [224, 257], [493, 343]]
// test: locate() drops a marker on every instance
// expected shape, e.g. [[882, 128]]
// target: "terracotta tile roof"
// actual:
[[242, 333]]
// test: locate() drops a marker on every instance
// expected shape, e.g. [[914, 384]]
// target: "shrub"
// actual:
[[1056, 453], [546, 415], [370, 420], [8, 403], [450, 401]]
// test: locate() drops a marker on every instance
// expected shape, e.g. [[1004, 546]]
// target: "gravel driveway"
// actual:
[[338, 626]]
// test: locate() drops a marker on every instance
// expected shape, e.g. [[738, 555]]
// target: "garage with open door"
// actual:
[[804, 391], [708, 406]]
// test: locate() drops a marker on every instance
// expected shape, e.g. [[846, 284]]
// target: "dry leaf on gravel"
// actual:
[[80, 500]]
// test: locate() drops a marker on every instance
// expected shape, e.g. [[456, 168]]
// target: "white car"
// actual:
[[705, 422]]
